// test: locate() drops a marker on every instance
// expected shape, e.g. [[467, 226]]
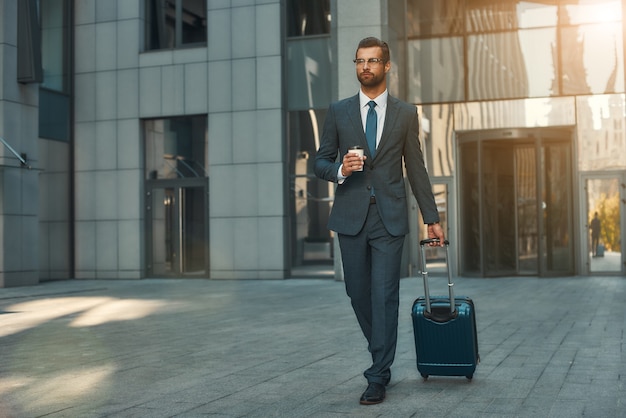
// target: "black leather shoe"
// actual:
[[375, 393]]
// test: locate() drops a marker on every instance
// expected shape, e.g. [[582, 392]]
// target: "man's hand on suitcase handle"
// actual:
[[433, 242], [435, 235]]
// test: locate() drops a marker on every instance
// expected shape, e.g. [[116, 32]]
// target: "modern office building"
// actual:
[[175, 138]]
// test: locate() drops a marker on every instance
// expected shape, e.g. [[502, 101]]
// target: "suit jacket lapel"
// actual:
[[354, 112], [390, 119]]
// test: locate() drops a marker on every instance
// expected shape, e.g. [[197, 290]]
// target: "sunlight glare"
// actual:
[[84, 311], [62, 389], [603, 14], [117, 310]]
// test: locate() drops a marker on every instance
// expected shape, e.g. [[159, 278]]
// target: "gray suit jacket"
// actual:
[[343, 129]]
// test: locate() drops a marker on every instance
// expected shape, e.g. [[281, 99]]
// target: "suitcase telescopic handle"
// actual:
[[431, 240], [425, 274]]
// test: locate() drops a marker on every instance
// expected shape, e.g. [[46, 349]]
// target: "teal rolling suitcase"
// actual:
[[600, 250], [446, 342]]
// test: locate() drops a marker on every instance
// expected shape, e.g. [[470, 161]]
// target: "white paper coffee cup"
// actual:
[[357, 150]]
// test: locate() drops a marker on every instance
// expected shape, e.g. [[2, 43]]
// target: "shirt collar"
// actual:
[[381, 101]]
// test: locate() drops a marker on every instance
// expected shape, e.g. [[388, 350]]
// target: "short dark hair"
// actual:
[[372, 41]]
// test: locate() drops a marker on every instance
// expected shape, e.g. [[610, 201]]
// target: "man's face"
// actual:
[[371, 74]]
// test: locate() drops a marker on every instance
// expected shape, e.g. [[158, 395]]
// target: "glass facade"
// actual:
[[309, 92], [494, 81], [513, 49]]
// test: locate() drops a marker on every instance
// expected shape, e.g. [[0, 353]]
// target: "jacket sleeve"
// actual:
[[327, 162], [417, 173]]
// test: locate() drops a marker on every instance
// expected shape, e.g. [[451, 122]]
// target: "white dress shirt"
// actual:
[[381, 110]]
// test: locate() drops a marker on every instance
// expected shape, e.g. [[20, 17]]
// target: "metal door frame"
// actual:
[[535, 135], [177, 184], [583, 253]]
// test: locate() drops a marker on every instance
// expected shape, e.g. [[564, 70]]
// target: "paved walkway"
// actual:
[[197, 348]]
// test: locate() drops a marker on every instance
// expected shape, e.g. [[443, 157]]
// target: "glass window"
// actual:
[[309, 73], [55, 48], [496, 15], [54, 115], [590, 11], [310, 197], [436, 135], [470, 215], [434, 17], [512, 64], [175, 23], [176, 147], [557, 213], [308, 17], [593, 59], [29, 67], [601, 132], [54, 92], [436, 70], [558, 111]]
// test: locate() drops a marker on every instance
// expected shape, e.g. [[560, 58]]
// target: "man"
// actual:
[[370, 213], [595, 234]]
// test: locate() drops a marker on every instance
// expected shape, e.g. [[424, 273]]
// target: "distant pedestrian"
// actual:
[[595, 234]]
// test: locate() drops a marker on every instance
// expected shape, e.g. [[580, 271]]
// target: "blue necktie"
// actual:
[[370, 128]]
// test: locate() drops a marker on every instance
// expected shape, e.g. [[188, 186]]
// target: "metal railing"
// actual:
[[21, 157]]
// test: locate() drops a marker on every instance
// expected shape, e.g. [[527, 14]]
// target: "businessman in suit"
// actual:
[[370, 214]]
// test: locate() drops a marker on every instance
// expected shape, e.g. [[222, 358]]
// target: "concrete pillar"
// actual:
[[19, 185]]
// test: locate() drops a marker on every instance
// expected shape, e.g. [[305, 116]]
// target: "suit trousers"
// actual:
[[371, 263]]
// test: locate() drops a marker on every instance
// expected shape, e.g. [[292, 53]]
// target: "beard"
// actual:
[[373, 80]]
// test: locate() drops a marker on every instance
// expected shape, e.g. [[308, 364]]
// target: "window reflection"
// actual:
[[513, 49], [309, 73], [175, 23], [55, 48], [593, 58], [493, 15], [601, 132], [434, 17], [436, 69], [308, 17], [590, 11], [437, 125], [512, 64], [310, 197], [176, 147], [558, 111]]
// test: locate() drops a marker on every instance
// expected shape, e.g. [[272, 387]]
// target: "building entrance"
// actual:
[[516, 202], [177, 228], [605, 198]]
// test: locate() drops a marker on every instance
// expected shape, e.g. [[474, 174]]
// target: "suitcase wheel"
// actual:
[[469, 377], [425, 376]]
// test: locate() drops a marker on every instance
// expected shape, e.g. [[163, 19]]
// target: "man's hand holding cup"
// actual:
[[353, 160]]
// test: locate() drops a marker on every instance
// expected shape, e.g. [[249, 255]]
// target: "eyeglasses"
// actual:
[[371, 61]]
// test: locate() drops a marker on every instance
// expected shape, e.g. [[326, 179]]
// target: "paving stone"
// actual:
[[206, 348]]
